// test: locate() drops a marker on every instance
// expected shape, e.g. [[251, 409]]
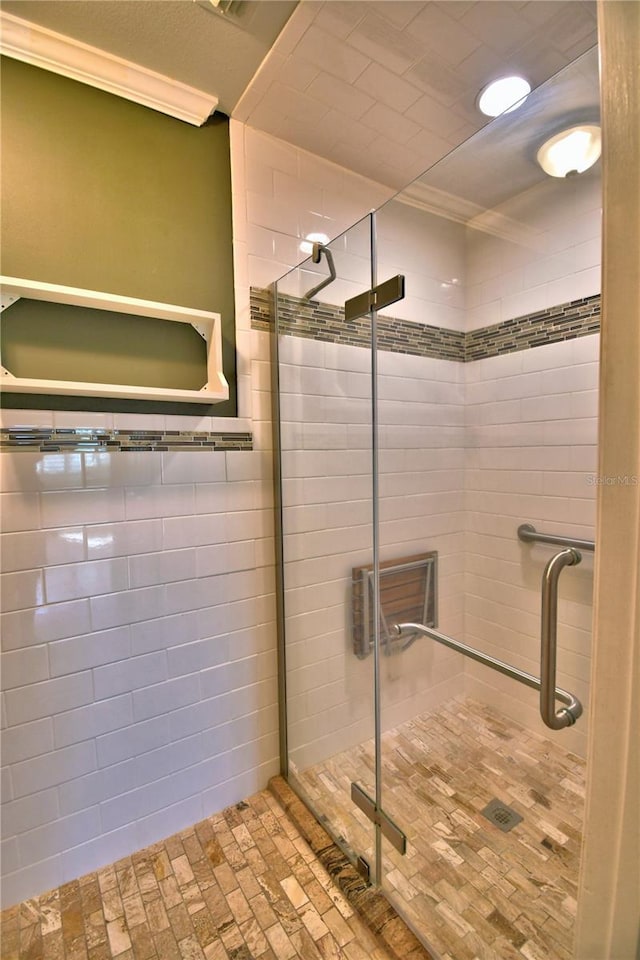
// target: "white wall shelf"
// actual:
[[207, 324]]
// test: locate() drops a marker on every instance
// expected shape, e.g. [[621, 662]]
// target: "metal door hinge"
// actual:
[[363, 869], [390, 830], [381, 296]]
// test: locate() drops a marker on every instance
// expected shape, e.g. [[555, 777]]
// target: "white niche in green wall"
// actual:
[[73, 342]]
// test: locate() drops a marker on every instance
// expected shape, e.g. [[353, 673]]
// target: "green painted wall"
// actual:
[[55, 341], [103, 194]]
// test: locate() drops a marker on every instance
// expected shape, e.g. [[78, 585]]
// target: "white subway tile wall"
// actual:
[[328, 530], [100, 662], [430, 252], [290, 193], [556, 260], [531, 456]]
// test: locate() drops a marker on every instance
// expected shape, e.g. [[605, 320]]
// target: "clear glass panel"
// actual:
[[326, 438], [487, 378]]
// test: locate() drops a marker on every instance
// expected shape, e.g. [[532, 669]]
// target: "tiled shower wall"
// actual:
[[328, 530], [139, 665], [528, 448], [530, 455], [468, 452], [326, 411], [531, 435], [552, 255], [327, 452]]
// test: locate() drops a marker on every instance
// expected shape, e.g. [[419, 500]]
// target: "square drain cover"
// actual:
[[502, 816]]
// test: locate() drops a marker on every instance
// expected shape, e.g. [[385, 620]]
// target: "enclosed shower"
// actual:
[[435, 373]]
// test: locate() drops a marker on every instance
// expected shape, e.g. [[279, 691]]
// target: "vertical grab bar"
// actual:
[[566, 716]]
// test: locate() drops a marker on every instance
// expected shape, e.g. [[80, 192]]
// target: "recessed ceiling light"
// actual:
[[570, 152], [503, 96], [307, 244]]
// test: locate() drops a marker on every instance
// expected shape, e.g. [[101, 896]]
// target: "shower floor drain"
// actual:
[[502, 816]]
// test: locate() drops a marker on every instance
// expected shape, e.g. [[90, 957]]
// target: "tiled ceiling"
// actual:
[[500, 162], [387, 87], [382, 87]]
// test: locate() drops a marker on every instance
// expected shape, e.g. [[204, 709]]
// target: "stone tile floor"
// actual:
[[470, 890], [240, 885]]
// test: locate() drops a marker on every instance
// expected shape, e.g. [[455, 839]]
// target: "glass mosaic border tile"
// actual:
[[322, 321], [566, 321], [50, 439]]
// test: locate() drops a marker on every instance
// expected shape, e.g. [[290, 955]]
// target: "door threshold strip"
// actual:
[[369, 901]]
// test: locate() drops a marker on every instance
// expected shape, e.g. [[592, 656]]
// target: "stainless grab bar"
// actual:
[[573, 707], [548, 633], [528, 534]]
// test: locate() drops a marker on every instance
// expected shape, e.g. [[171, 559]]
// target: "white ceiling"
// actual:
[[381, 87]]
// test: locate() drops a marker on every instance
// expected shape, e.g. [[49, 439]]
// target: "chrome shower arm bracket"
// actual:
[[316, 256]]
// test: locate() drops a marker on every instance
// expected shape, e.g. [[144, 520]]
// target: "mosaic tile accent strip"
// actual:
[[260, 308], [578, 318], [322, 321], [51, 440], [473, 890], [239, 885], [369, 901]]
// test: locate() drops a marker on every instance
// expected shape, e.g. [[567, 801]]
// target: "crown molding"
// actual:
[[447, 205], [52, 51]]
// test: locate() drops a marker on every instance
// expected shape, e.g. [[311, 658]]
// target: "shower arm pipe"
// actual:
[[528, 534], [316, 256], [572, 707]]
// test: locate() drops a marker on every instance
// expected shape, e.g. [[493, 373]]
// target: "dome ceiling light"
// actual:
[[503, 96], [570, 152], [307, 244]]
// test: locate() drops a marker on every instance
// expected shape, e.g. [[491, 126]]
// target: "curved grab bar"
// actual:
[[573, 707], [548, 634]]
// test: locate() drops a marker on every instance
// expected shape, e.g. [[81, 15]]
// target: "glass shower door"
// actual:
[[324, 371], [420, 416], [486, 419]]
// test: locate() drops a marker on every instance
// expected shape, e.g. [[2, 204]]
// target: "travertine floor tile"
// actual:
[[241, 885], [468, 888]]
